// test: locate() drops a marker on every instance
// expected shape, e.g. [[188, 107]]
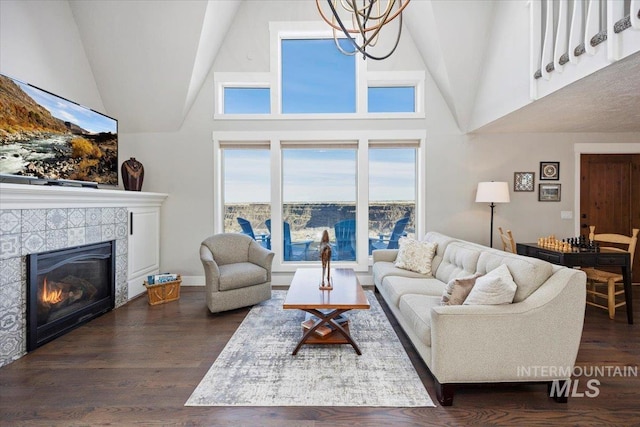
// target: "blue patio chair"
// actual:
[[392, 241], [263, 239], [345, 246], [293, 251]]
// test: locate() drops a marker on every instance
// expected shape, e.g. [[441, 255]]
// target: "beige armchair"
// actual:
[[237, 271]]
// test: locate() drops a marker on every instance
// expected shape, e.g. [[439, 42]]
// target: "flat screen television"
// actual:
[[48, 138]]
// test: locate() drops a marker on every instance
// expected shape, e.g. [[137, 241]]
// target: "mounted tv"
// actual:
[[46, 138]]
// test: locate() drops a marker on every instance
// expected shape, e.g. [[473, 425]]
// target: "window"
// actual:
[[308, 77], [316, 77], [319, 187], [392, 195], [246, 179], [247, 100], [393, 99]]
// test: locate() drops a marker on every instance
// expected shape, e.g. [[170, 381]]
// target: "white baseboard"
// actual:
[[192, 280]]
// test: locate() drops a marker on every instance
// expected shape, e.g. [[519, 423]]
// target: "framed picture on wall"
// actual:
[[549, 171], [549, 192], [523, 181]]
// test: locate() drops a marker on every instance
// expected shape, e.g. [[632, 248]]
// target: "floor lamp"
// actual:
[[492, 192]]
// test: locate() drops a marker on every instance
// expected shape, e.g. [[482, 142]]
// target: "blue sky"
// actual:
[[317, 78], [70, 112], [313, 175]]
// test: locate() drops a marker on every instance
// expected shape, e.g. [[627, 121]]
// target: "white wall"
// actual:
[[504, 86], [40, 44]]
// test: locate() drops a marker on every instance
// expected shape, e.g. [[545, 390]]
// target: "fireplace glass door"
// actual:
[[68, 287]]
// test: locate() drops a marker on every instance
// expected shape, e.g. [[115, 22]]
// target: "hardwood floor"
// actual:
[[138, 365]]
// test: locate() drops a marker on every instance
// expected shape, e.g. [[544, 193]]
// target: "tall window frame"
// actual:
[[279, 140], [317, 130]]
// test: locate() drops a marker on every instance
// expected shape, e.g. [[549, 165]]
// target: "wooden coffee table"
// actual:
[[347, 294]]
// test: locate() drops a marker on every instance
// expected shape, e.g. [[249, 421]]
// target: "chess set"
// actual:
[[571, 244]]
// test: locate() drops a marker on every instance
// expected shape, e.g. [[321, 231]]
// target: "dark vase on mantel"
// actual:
[[132, 174]]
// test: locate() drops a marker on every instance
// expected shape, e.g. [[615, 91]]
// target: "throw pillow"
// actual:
[[458, 289], [415, 255], [495, 287]]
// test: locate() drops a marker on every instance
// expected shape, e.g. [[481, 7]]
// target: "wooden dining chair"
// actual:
[[508, 242], [596, 278]]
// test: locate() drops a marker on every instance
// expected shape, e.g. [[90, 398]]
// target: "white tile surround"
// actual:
[[36, 218]]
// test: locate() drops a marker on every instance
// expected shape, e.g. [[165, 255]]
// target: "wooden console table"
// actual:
[[603, 258]]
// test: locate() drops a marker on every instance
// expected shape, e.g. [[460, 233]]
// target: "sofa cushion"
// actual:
[[495, 287], [382, 269], [416, 310], [528, 273], [460, 260], [240, 275], [415, 255], [458, 289], [396, 287]]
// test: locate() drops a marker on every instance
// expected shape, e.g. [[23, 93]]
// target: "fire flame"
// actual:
[[51, 297]]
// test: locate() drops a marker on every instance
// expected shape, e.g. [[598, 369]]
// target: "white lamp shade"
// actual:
[[493, 192]]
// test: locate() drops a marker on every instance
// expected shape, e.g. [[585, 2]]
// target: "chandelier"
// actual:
[[366, 21]]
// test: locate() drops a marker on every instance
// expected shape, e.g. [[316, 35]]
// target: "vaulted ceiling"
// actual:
[[150, 59]]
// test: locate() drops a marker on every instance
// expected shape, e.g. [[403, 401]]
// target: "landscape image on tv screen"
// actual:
[[48, 137]]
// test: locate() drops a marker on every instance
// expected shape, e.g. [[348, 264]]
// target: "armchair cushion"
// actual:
[[240, 275]]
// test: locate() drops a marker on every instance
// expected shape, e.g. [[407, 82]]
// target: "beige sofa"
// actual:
[[536, 338]]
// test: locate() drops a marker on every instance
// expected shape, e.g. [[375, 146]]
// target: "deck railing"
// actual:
[[578, 37]]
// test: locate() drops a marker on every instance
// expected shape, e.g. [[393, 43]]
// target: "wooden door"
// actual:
[[610, 196]]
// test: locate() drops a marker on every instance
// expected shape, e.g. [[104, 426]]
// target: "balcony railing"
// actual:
[[578, 37]]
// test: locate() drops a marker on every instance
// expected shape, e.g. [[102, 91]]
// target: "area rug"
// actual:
[[256, 367]]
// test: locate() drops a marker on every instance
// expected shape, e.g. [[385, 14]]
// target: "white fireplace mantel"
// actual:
[[25, 196]]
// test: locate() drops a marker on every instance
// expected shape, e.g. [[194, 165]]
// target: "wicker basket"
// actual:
[[163, 292]]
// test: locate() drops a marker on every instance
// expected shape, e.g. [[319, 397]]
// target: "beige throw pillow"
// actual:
[[415, 255], [495, 287], [458, 289]]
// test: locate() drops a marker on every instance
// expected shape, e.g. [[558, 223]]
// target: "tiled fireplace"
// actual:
[[38, 218], [26, 231]]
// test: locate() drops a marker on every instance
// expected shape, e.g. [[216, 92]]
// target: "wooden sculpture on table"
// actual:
[[325, 256]]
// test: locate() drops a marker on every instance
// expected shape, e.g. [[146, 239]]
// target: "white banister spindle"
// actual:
[[576, 35], [615, 12], [561, 35], [635, 10], [592, 26], [535, 21], [547, 45]]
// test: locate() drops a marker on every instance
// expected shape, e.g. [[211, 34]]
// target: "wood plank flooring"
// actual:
[[138, 365]]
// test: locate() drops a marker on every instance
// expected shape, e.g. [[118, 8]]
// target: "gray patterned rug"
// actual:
[[256, 367]]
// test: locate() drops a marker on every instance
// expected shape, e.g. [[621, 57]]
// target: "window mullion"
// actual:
[[362, 205]]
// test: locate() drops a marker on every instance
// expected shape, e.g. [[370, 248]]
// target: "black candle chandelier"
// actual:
[[366, 22]]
